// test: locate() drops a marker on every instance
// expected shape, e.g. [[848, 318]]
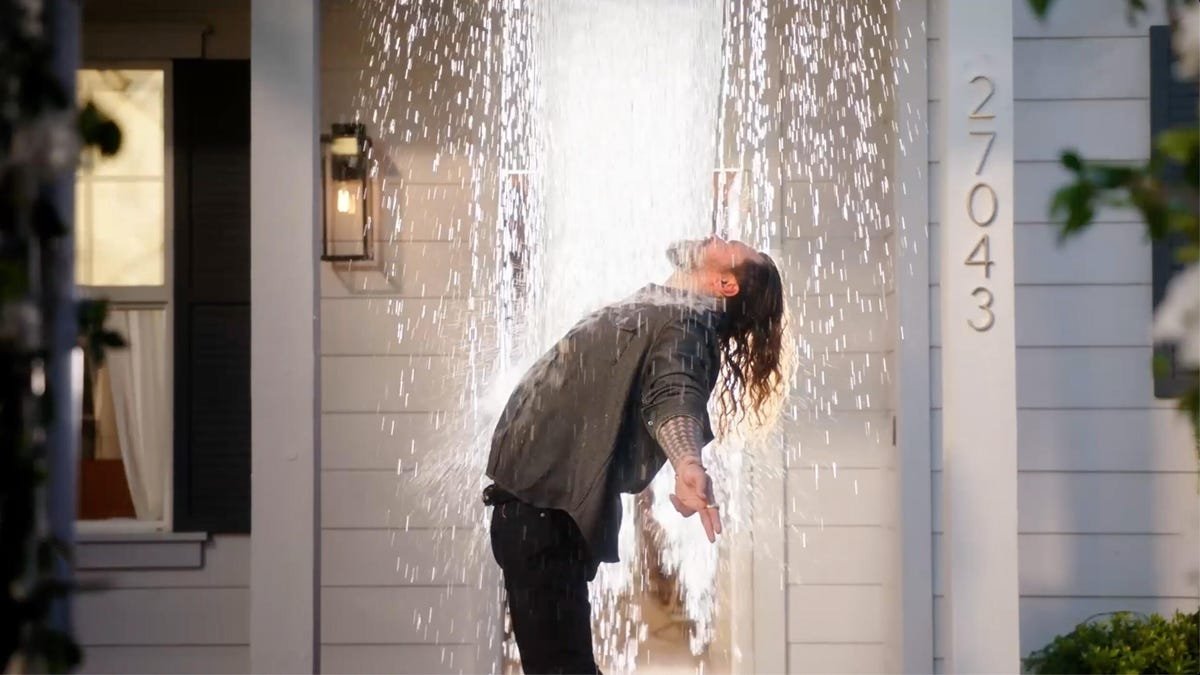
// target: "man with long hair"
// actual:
[[622, 393]]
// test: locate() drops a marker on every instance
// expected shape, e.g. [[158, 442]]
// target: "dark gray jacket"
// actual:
[[579, 429]]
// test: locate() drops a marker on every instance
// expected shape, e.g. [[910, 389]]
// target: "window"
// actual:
[[121, 246], [1173, 103], [164, 234]]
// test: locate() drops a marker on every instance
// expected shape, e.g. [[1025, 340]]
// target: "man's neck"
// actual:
[[685, 281]]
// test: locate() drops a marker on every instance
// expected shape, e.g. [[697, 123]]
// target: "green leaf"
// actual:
[[99, 130], [94, 337], [1179, 145], [1040, 7]]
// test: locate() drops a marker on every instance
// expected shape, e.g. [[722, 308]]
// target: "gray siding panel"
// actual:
[[836, 614], [1093, 502], [1117, 315], [164, 616], [381, 499], [1112, 565], [399, 558], [172, 659], [1104, 254], [403, 659], [1136, 440], [392, 442], [391, 615], [822, 659], [1035, 183]]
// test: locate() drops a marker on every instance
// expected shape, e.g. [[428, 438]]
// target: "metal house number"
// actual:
[[982, 205]]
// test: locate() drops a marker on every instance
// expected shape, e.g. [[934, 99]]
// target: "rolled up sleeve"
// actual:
[[680, 372]]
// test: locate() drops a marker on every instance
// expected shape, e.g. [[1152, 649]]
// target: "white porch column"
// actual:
[[285, 386], [979, 481], [910, 627]]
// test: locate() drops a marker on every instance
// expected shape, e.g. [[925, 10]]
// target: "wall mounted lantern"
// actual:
[[348, 194]]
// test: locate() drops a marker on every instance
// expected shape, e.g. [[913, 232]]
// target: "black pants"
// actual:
[[546, 571]]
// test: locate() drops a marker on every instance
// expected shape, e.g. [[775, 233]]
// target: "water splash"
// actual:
[[556, 132]]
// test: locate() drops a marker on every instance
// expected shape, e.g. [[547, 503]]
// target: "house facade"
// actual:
[[973, 472]]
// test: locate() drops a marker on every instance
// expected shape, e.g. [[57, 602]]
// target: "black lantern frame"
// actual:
[[347, 190]]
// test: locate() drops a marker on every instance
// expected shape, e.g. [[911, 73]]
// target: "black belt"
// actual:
[[494, 495]]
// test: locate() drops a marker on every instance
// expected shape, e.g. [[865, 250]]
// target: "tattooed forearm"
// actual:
[[681, 439]]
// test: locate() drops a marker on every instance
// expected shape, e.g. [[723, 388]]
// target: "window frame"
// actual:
[[1175, 381], [149, 297]]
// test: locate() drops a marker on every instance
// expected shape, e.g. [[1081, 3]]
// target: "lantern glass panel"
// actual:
[[347, 197]]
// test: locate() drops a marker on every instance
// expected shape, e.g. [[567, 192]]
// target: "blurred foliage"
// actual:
[[1165, 190], [1124, 643], [40, 135]]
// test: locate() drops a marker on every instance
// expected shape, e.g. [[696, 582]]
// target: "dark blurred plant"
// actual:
[[41, 133], [1124, 643], [1165, 190]]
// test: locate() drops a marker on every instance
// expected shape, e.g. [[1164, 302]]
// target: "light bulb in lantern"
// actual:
[[345, 203]]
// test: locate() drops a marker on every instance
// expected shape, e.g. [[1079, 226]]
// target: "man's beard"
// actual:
[[685, 253]]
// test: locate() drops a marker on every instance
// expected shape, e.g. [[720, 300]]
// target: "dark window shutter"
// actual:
[[212, 295], [1173, 103]]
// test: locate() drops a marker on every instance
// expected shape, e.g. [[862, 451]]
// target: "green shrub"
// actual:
[[1124, 643]]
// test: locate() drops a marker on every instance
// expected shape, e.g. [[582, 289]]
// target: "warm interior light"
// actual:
[[345, 145], [344, 202]]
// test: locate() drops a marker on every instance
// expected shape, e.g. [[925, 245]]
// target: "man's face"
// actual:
[[711, 255], [712, 260]]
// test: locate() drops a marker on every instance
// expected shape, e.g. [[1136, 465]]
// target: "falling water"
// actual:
[[584, 135]]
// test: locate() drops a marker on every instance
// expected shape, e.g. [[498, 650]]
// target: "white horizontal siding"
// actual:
[[395, 593], [226, 563], [163, 616], [369, 326], [404, 659], [1044, 618], [401, 558], [822, 659], [822, 496], [1069, 18], [828, 208], [1117, 315], [166, 660], [1034, 186], [422, 269], [843, 382], [835, 265], [1113, 565], [391, 442], [1104, 254], [399, 615], [842, 323], [1076, 377], [1072, 68], [1092, 132], [1093, 502], [838, 555], [434, 212], [850, 439], [390, 383], [836, 614], [1133, 440], [381, 499]]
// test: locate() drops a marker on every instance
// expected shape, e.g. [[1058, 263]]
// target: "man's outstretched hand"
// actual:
[[693, 494]]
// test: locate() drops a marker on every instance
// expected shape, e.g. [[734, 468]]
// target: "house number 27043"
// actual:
[[982, 204]]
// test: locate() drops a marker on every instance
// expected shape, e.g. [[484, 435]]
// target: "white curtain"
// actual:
[[140, 404]]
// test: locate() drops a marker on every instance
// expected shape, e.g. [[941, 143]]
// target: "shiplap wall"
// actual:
[[839, 490], [1108, 509], [150, 619], [393, 595], [153, 620]]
